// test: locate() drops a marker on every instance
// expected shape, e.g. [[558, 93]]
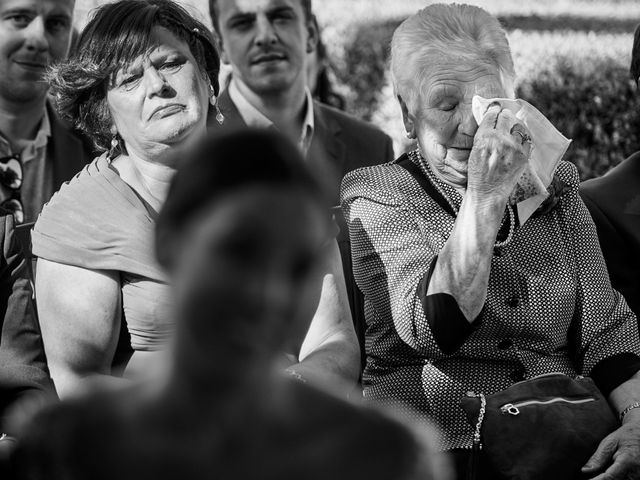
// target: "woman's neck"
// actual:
[[150, 179]]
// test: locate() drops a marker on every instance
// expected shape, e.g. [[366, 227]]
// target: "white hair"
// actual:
[[459, 32]]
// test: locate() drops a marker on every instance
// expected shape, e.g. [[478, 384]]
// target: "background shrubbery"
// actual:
[[571, 58]]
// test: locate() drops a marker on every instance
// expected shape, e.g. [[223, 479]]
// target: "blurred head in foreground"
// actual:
[[240, 234]]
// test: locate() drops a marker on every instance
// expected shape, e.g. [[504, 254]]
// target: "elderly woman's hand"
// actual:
[[500, 152], [619, 451]]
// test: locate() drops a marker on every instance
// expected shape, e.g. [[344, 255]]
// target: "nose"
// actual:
[[35, 35], [468, 124], [155, 81], [265, 34]]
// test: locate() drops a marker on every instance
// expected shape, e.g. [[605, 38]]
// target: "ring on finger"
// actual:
[[523, 136]]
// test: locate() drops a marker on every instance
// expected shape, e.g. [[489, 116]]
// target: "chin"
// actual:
[[181, 133], [272, 83], [452, 177]]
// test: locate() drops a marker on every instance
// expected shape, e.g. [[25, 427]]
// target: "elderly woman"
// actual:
[[458, 295], [141, 85]]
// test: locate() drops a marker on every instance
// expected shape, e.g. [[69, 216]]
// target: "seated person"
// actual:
[[461, 296], [614, 204], [243, 243], [23, 368]]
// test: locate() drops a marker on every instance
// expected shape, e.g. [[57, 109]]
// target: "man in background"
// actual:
[[614, 203], [37, 151], [266, 43]]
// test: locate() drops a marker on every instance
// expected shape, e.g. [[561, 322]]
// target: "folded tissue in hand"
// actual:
[[547, 149]]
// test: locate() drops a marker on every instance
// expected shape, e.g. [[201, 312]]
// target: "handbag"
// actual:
[[543, 428]]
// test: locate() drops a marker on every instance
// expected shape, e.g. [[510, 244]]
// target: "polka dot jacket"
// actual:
[[549, 308]]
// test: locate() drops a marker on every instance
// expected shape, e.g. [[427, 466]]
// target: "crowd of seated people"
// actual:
[[213, 267]]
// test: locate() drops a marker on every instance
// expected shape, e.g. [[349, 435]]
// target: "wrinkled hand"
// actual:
[[618, 453], [501, 148]]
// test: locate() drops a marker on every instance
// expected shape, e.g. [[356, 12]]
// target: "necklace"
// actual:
[[417, 158]]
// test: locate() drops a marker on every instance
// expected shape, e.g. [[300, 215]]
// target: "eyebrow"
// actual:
[[17, 10], [240, 16], [280, 9]]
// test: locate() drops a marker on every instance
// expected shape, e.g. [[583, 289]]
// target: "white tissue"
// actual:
[[547, 149]]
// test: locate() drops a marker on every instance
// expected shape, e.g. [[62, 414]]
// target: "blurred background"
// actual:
[[571, 56]]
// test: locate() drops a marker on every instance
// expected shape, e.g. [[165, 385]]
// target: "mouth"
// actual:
[[167, 110], [268, 57], [32, 65]]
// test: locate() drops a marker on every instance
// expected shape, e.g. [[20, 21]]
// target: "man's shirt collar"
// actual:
[[34, 147], [255, 118]]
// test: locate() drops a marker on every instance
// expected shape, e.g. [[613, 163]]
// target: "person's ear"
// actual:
[[312, 36], [407, 119]]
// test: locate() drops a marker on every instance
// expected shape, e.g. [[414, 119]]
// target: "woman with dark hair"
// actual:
[[244, 244], [140, 85]]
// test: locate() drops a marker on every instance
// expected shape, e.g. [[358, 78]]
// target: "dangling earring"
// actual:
[[214, 103], [212, 96], [219, 115], [114, 143], [410, 135]]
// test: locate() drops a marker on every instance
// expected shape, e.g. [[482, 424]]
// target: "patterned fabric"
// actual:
[[549, 308], [37, 186]]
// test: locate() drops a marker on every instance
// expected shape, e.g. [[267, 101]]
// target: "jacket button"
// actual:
[[505, 344], [517, 375], [513, 302]]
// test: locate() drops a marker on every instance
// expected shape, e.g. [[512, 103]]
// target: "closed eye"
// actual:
[[130, 81], [172, 66]]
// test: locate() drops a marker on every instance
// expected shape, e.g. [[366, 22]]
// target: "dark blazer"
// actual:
[[23, 367], [341, 143], [66, 149], [614, 203]]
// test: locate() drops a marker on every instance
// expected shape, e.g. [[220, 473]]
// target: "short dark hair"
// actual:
[[634, 70], [117, 34], [222, 164], [215, 19]]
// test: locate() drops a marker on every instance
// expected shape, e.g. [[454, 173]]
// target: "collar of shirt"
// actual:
[[34, 148], [255, 118]]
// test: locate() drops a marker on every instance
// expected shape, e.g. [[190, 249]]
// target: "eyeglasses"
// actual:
[[11, 175]]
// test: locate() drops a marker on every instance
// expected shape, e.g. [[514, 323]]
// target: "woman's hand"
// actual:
[[619, 451], [501, 148]]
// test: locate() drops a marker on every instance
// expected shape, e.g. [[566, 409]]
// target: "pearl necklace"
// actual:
[[417, 158]]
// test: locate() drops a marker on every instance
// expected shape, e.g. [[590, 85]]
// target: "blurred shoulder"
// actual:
[[365, 441]]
